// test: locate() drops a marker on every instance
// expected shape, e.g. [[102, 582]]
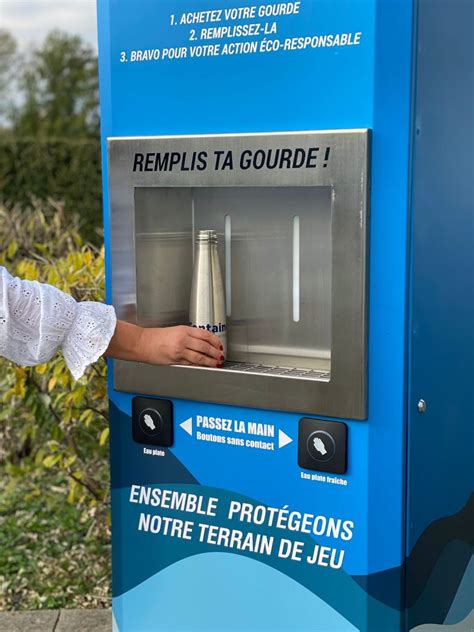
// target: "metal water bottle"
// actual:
[[207, 304]]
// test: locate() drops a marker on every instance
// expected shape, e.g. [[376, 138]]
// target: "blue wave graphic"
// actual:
[[224, 592]]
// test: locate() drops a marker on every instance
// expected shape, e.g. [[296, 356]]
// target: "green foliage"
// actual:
[[49, 147], [54, 508], [8, 48], [61, 169], [60, 83], [50, 424]]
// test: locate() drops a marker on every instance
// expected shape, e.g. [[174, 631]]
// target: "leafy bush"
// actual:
[[64, 169], [50, 424], [49, 557]]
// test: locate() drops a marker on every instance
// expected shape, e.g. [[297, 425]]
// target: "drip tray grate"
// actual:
[[267, 369]]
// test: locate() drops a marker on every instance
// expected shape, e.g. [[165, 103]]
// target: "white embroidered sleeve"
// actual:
[[37, 319]]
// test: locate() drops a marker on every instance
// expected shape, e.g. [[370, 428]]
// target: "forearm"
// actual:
[[128, 343]]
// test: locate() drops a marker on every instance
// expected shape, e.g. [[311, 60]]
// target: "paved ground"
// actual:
[[101, 621], [56, 621]]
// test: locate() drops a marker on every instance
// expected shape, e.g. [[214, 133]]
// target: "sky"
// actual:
[[29, 21]]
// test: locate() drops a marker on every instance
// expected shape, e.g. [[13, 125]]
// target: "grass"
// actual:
[[51, 555]]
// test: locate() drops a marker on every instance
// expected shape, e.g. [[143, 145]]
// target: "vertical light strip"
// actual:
[[228, 264], [296, 269]]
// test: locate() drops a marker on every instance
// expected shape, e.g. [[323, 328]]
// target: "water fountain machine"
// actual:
[[319, 481]]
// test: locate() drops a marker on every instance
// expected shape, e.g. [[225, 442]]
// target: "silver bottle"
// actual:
[[207, 304]]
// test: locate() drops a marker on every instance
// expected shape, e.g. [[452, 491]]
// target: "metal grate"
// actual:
[[267, 369]]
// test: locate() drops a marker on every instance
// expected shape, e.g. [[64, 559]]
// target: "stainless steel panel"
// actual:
[[163, 255], [345, 176]]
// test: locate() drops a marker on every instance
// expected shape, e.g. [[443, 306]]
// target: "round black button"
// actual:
[[150, 421], [321, 446]]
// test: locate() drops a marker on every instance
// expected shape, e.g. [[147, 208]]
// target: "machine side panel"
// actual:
[[441, 362]]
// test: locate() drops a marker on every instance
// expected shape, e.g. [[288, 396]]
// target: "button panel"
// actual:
[[152, 421], [322, 445]]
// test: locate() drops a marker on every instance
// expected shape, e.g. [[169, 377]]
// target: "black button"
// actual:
[[322, 445], [152, 421]]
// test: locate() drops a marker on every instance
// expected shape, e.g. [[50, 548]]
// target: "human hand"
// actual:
[[166, 345], [181, 345]]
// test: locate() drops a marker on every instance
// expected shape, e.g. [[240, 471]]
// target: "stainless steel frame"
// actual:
[[340, 392]]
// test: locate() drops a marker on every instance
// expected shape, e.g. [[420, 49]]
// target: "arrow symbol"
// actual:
[[283, 439], [187, 426]]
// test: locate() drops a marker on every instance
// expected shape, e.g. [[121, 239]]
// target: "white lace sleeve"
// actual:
[[37, 319]]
